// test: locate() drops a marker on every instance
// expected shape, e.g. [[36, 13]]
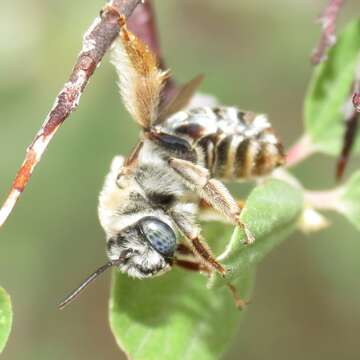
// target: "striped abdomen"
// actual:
[[236, 144], [240, 157]]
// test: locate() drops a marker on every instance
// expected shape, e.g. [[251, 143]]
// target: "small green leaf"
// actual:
[[5, 318], [271, 213], [350, 200], [329, 91], [174, 316]]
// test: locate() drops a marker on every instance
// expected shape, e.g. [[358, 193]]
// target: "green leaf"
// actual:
[[271, 213], [329, 91], [5, 318], [349, 203], [174, 316]]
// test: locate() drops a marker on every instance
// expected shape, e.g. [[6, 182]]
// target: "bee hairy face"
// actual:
[[149, 246]]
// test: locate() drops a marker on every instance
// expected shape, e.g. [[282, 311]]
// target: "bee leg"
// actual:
[[212, 191], [208, 213], [184, 250], [186, 258], [199, 267], [192, 266], [239, 302], [198, 247], [201, 249]]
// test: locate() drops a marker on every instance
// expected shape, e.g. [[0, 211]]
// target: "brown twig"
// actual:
[[96, 42], [348, 141], [327, 38], [351, 112]]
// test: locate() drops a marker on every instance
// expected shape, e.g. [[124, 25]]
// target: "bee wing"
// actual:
[[181, 99], [140, 79]]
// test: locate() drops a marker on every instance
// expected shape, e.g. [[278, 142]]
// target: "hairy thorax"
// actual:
[[152, 188]]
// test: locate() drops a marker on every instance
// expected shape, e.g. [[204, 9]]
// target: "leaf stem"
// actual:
[[325, 200], [301, 150]]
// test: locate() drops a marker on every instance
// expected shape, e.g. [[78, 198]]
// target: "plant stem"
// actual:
[[327, 38], [324, 200], [301, 150], [351, 119]]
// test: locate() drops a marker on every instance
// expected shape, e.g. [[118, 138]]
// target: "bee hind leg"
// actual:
[[207, 213], [213, 191]]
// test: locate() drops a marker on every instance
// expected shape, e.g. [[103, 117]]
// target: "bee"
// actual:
[[150, 200]]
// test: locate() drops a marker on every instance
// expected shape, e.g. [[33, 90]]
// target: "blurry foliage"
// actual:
[[350, 200]]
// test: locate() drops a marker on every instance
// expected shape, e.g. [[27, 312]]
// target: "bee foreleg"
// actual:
[[192, 266], [184, 250], [212, 191], [199, 247]]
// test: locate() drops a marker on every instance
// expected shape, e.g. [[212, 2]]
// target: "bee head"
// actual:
[[147, 246], [141, 250]]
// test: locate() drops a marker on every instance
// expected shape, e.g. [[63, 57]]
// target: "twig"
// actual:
[[351, 120], [327, 38], [96, 42], [351, 128]]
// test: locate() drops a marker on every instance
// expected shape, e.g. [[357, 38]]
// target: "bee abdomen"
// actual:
[[256, 158], [236, 144], [237, 157]]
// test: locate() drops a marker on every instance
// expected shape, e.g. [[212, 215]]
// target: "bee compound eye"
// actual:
[[160, 235]]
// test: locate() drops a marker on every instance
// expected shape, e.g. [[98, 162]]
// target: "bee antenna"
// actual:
[[89, 280]]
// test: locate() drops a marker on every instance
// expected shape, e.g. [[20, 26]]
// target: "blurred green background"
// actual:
[[255, 54]]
